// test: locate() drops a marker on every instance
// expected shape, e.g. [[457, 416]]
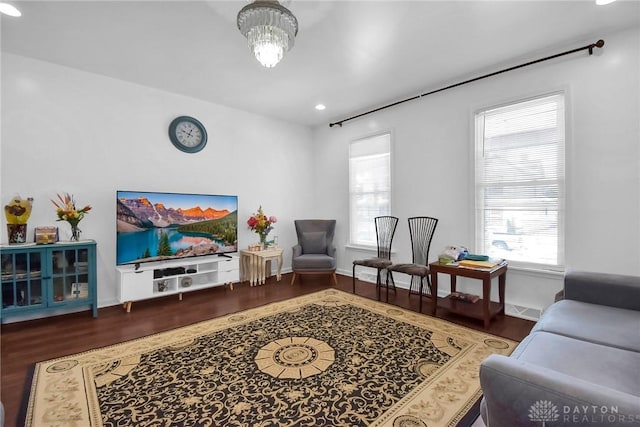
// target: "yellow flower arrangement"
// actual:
[[67, 211], [18, 210]]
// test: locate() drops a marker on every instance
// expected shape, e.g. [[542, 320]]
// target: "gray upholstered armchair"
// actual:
[[315, 252]]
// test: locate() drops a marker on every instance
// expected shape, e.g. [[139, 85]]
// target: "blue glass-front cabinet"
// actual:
[[48, 279]]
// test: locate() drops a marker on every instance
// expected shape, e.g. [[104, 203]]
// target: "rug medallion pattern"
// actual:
[[325, 359]]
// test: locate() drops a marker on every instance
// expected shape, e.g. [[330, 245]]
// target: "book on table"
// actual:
[[488, 264]]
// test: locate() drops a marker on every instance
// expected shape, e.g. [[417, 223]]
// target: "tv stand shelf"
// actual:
[[158, 279]]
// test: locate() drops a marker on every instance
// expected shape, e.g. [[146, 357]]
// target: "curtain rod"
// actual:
[[590, 47]]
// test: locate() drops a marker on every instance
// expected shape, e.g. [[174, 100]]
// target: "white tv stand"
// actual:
[[155, 279]]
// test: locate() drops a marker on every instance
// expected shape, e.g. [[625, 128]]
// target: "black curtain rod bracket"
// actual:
[[589, 47]]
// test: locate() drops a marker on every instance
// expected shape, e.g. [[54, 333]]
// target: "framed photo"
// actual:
[[45, 235]]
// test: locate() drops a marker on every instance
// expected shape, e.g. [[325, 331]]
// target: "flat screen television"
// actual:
[[153, 226]]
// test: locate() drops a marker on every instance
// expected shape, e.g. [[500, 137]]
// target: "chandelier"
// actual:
[[270, 29]]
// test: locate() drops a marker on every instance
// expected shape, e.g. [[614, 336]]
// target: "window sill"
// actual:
[[536, 270], [363, 248]]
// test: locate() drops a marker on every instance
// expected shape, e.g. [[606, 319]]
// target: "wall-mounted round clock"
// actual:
[[187, 134]]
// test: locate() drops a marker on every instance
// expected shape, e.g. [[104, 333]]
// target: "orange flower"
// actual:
[[66, 209]]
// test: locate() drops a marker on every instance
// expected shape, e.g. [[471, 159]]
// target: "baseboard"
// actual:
[[528, 313]]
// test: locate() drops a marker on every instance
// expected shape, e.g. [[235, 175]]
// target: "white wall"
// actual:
[[65, 130], [433, 163]]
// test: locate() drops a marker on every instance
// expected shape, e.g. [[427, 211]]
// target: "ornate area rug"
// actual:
[[325, 359]]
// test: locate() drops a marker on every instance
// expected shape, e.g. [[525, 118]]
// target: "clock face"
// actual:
[[187, 134]]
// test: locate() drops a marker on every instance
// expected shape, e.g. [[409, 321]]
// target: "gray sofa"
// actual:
[[579, 366]]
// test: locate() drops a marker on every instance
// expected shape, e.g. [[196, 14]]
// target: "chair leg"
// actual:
[[386, 285], [393, 282], [335, 278], [411, 286], [421, 286], [293, 278], [353, 276]]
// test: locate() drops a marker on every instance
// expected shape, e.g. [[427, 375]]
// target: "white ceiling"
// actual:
[[349, 55]]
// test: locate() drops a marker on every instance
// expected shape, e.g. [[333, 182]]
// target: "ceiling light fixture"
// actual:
[[320, 107], [603, 2], [10, 10], [270, 29]]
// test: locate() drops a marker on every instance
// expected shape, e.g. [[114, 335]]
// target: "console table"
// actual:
[[48, 279], [484, 309], [254, 265]]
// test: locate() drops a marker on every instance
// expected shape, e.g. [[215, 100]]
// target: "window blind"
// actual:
[[369, 186], [520, 181]]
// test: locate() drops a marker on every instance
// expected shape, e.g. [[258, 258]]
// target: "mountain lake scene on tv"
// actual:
[[161, 226]]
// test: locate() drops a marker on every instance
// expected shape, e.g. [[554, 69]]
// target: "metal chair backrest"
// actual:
[[385, 230], [421, 230]]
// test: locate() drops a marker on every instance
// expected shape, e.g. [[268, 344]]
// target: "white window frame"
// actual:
[[361, 224], [530, 254]]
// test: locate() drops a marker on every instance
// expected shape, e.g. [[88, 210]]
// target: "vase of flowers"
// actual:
[[67, 211], [17, 212], [262, 225]]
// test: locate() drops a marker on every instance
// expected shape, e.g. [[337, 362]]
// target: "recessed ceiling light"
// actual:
[[10, 10], [603, 2], [320, 107]]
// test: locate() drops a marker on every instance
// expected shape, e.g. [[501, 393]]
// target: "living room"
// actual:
[[67, 129]]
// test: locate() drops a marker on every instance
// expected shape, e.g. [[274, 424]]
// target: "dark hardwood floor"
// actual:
[[24, 343]]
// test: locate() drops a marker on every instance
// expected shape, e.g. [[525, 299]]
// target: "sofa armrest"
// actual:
[[513, 390], [614, 290], [331, 251]]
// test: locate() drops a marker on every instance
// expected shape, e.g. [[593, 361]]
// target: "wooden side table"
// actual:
[[253, 265], [484, 309]]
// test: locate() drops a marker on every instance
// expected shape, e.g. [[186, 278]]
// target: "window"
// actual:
[[519, 181], [369, 186]]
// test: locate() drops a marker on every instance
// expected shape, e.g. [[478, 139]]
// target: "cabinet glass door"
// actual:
[[70, 275], [21, 280]]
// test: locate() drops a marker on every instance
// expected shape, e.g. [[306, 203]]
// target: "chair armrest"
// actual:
[[614, 290], [297, 251], [512, 389], [331, 251]]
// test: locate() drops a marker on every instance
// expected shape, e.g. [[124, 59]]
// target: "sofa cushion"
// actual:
[[598, 324], [314, 242], [598, 364]]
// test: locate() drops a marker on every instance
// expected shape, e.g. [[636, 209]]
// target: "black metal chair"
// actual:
[[385, 230], [421, 230]]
